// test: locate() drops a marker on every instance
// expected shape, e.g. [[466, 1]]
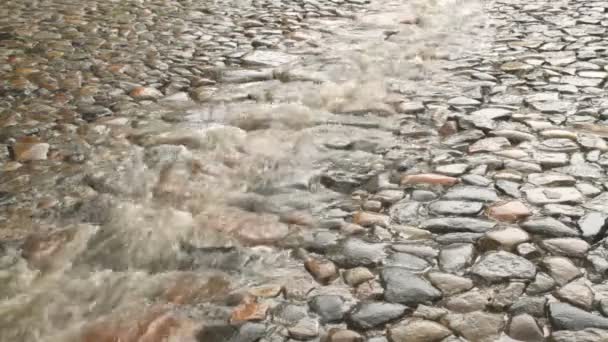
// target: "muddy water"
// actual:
[[199, 202]]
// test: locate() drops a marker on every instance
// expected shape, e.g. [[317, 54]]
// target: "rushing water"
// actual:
[[194, 201]]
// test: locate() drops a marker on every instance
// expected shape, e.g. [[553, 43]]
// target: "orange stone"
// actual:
[[249, 311], [145, 93], [367, 219], [30, 148], [508, 211], [428, 178]]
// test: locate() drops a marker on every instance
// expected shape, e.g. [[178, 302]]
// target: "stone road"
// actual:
[[306, 170]]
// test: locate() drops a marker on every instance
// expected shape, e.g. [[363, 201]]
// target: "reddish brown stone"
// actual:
[[428, 178], [324, 271], [249, 311], [191, 289], [29, 149], [154, 325], [509, 212]]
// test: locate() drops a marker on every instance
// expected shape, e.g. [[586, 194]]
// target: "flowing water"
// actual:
[[194, 202]]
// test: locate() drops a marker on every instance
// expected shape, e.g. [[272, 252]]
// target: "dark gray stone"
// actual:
[[455, 207], [372, 314], [457, 224], [355, 252], [548, 226], [329, 307], [405, 212], [567, 317], [407, 261], [402, 286]]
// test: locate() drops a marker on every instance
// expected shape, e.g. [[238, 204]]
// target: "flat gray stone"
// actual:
[[368, 315], [561, 269], [501, 265], [493, 144], [407, 261], [563, 209], [405, 212], [566, 246], [586, 335], [450, 284], [548, 226], [457, 224], [455, 207], [581, 81], [455, 258], [567, 317], [546, 195], [551, 179], [485, 118], [355, 252], [471, 193], [402, 286]]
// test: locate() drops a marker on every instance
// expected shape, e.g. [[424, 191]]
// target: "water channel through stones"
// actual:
[[305, 170]]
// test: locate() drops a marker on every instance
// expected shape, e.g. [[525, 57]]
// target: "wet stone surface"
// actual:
[[280, 171]]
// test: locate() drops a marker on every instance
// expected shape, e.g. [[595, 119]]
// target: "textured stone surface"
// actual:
[[476, 326], [567, 317], [331, 162], [369, 315], [419, 331], [498, 266], [402, 286]]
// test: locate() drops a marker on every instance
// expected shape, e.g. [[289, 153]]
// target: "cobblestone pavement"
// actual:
[[305, 170]]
